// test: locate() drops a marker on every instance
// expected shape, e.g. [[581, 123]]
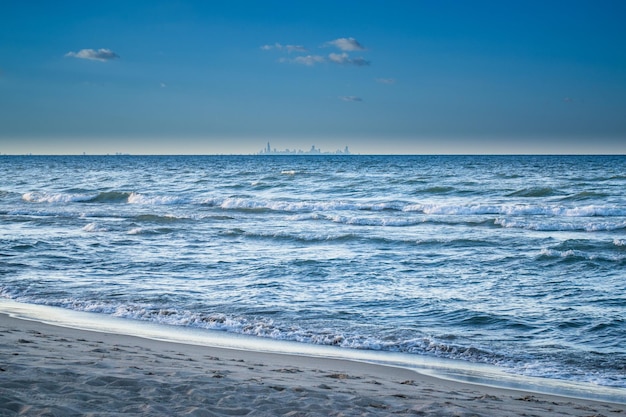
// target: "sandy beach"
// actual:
[[58, 371]]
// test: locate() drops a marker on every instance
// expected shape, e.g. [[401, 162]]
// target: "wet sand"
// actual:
[[58, 371]]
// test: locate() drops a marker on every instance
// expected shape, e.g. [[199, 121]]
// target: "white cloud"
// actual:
[[346, 44], [295, 48], [94, 55], [308, 60], [350, 98], [386, 80], [341, 58], [344, 59], [281, 47]]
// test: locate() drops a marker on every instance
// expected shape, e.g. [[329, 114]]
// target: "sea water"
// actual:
[[513, 261]]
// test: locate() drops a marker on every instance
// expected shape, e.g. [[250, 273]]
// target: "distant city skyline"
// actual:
[[268, 150], [392, 77]]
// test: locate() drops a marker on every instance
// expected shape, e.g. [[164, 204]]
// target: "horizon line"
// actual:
[[329, 154]]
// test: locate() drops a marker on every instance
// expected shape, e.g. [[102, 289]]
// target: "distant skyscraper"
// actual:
[[313, 151]]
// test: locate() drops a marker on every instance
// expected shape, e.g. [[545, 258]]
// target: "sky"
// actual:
[[382, 77]]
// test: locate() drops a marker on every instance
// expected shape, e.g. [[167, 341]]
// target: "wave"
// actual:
[[518, 210], [311, 237], [302, 237], [396, 221], [103, 197], [42, 213], [535, 192], [436, 190], [584, 195], [547, 225], [36, 197], [458, 345], [137, 198], [159, 219], [94, 228], [591, 218], [588, 245], [111, 197], [570, 255], [149, 231], [5, 195], [364, 221], [240, 203], [295, 205], [256, 325]]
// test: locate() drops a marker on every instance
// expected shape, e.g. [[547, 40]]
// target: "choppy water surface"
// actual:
[[517, 261]]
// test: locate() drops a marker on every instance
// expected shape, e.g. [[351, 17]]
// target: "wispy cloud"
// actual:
[[344, 59], [350, 98], [308, 60], [94, 54], [386, 80], [346, 44], [281, 47], [341, 59], [305, 58]]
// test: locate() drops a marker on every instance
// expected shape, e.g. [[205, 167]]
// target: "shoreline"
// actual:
[[441, 368], [54, 370]]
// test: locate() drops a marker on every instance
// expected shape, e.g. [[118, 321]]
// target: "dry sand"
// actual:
[[57, 371]]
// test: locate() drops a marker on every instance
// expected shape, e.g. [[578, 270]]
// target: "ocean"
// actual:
[[513, 261]]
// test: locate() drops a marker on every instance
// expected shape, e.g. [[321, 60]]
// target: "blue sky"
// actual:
[[205, 77]]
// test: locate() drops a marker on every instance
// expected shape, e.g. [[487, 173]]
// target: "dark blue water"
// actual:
[[516, 261]]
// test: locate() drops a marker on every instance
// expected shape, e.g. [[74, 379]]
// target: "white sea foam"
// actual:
[[94, 228], [516, 210], [445, 209], [137, 198], [578, 254], [43, 213], [36, 197], [331, 205], [556, 224], [236, 203], [553, 253], [366, 221]]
